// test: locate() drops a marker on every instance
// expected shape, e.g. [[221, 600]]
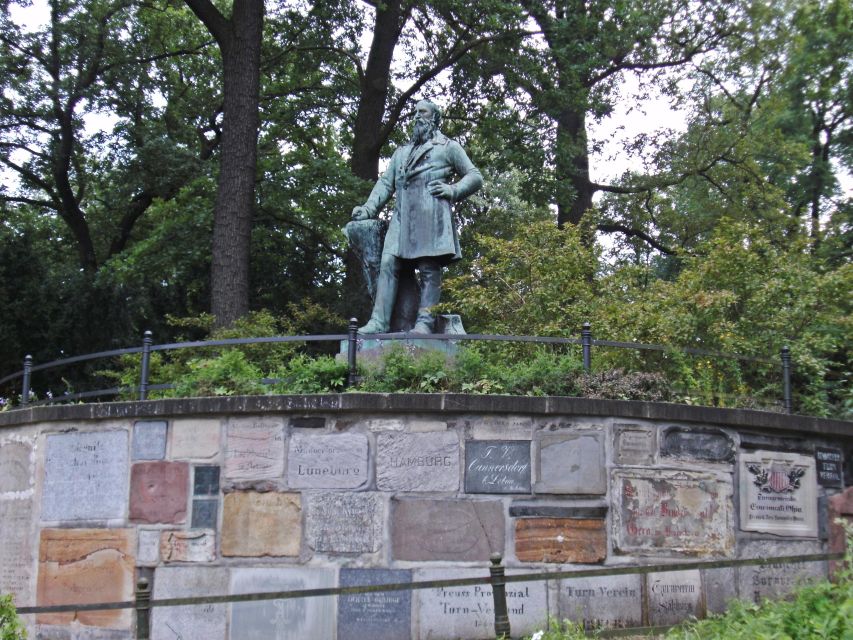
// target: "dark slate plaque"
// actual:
[[497, 466], [829, 466], [713, 445], [204, 513], [551, 511], [308, 423], [206, 482], [382, 615]]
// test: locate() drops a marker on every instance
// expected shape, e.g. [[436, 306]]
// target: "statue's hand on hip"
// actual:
[[360, 213], [440, 190]]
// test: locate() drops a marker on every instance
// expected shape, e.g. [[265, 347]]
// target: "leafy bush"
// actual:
[[11, 627]]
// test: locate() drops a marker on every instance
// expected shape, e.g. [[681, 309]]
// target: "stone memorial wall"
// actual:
[[242, 495]]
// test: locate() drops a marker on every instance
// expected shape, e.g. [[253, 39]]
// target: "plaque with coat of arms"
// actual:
[[778, 493]]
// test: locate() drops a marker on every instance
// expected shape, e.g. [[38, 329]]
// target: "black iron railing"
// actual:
[[352, 338], [497, 578]]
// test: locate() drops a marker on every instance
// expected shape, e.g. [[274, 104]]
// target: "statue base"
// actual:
[[373, 349]]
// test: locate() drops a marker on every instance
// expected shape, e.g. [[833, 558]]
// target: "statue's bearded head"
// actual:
[[427, 118]]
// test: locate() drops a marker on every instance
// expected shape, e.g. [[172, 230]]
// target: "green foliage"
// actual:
[[11, 627]]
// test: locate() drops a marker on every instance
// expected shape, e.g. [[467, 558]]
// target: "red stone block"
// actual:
[[158, 492]]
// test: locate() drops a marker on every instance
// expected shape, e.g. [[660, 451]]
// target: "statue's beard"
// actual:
[[422, 131]]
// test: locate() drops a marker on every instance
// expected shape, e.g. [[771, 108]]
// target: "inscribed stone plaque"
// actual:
[[674, 597], [497, 466], [327, 461], [16, 559], [634, 444], [205, 511], [16, 473], [829, 462], [382, 615], [261, 524], [344, 522], [81, 566], [282, 619], [158, 492], [308, 422], [680, 511], [713, 445], [778, 493], [448, 613], [191, 622], [85, 476], [571, 463], [148, 549], [188, 546], [563, 540], [206, 481], [613, 602], [417, 461], [254, 449], [446, 529], [775, 580], [195, 438], [149, 440]]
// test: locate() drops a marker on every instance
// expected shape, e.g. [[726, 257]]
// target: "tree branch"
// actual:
[[608, 227], [210, 16]]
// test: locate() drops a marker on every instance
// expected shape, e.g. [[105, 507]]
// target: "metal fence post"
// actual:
[[147, 339], [586, 343], [143, 609], [352, 348], [786, 379], [499, 594], [25, 385]]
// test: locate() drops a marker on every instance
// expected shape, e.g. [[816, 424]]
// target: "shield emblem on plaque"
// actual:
[[779, 480]]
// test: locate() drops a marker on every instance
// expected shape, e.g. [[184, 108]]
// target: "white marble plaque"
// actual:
[[148, 546], [191, 622], [254, 449], [16, 562], [778, 493], [448, 613], [612, 602], [674, 596], [417, 461], [344, 522], [327, 461], [85, 476], [282, 619]]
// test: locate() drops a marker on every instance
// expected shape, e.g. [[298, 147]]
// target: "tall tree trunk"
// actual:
[[239, 40], [367, 137], [375, 83], [574, 189]]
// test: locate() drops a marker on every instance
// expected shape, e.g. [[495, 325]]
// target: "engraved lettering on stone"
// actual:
[[686, 512], [674, 597], [344, 522], [255, 450], [613, 602], [15, 553], [468, 611], [778, 493], [829, 467], [188, 546], [327, 461], [417, 461], [85, 476], [497, 467], [634, 444]]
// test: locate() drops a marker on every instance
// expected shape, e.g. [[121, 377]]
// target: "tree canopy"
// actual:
[[170, 159]]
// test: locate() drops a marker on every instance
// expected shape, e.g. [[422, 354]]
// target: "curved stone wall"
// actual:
[[238, 495]]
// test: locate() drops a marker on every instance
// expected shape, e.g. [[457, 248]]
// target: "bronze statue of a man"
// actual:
[[422, 229]]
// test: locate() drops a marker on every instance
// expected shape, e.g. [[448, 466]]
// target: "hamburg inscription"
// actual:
[[497, 466]]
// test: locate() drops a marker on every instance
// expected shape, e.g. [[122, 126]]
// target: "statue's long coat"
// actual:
[[422, 225]]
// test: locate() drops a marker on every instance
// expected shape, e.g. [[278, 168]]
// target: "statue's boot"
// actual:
[[386, 294], [430, 271]]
